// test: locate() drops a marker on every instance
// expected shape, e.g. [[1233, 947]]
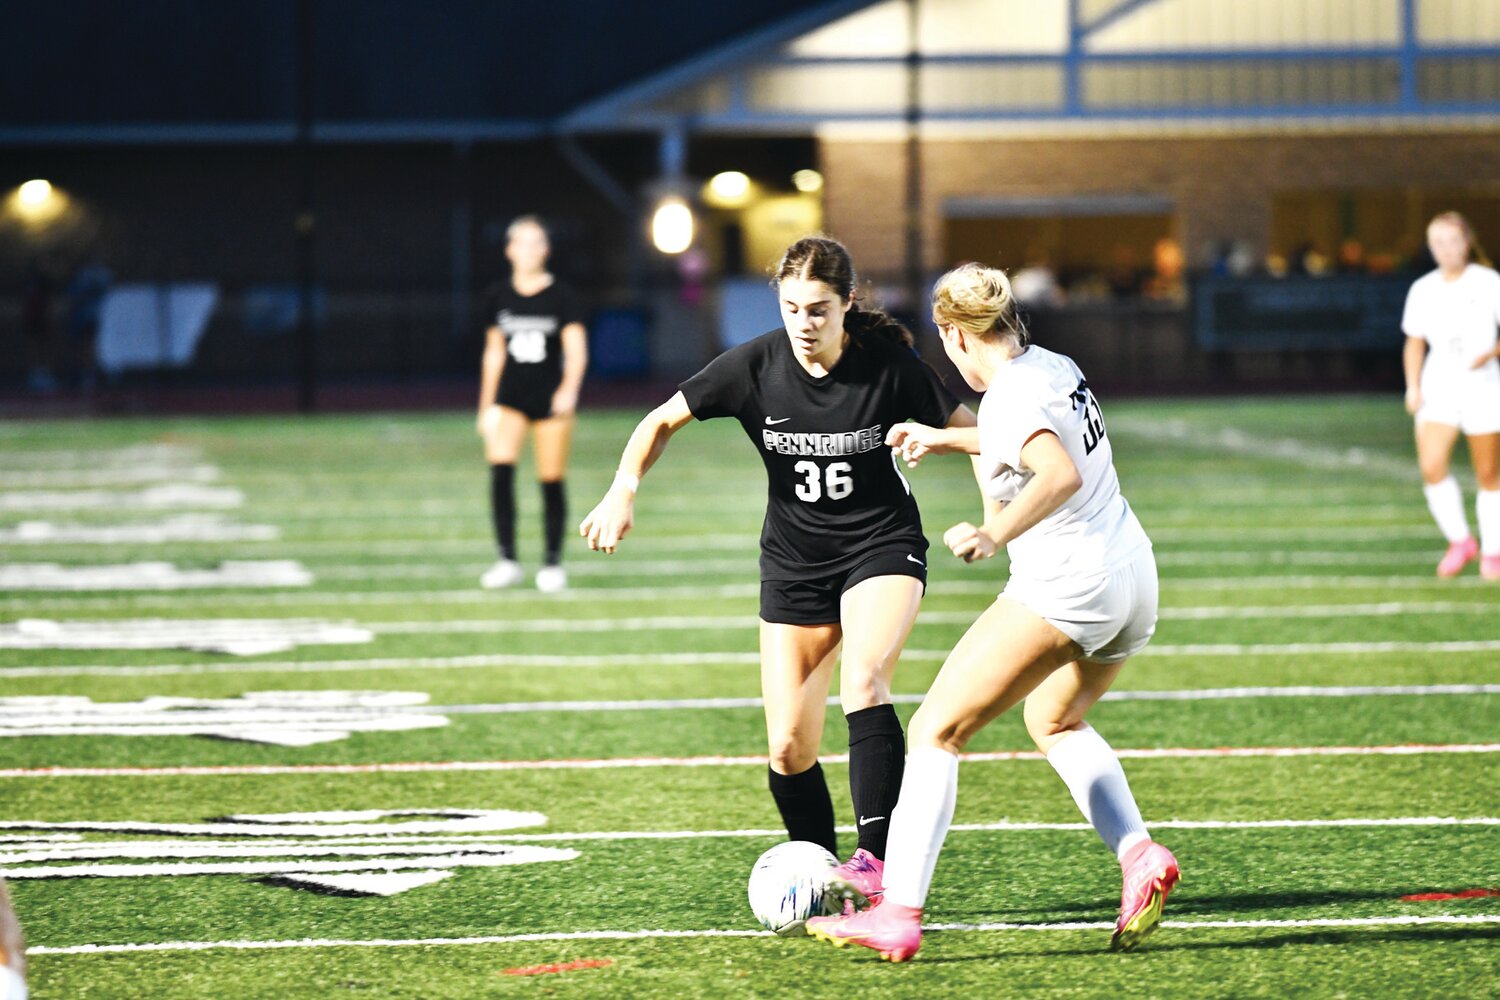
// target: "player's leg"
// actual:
[[877, 613], [796, 669], [1006, 653], [12, 952], [1484, 450], [1445, 498], [1090, 768], [504, 430], [554, 441]]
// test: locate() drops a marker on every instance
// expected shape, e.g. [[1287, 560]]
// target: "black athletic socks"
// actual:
[[805, 806], [554, 514], [503, 508], [877, 759]]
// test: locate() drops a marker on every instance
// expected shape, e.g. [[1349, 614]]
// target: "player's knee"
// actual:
[[1046, 727], [929, 729], [792, 753], [862, 686]]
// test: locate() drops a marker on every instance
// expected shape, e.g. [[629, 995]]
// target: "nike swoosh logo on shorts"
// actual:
[[917, 561], [863, 820], [773, 423]]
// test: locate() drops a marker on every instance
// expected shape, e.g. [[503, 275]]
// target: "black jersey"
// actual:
[[835, 491], [532, 326]]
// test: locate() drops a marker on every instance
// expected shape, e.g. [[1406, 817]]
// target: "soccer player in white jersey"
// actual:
[[1453, 387], [1081, 599], [12, 952]]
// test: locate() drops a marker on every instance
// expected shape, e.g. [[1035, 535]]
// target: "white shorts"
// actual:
[[1111, 616], [1471, 405]]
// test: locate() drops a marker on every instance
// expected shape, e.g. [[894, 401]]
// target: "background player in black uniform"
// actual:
[[843, 557], [535, 353]]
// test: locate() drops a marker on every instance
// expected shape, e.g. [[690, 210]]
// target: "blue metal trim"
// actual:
[[1410, 49], [1153, 55], [1207, 112], [1120, 10], [1072, 69]]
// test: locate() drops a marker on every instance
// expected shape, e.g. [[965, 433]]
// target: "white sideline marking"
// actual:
[[592, 595], [1099, 925], [151, 498], [1232, 439], [182, 528], [241, 637], [127, 475], [741, 621], [72, 458], [282, 718], [1191, 694], [154, 576], [575, 662], [613, 763]]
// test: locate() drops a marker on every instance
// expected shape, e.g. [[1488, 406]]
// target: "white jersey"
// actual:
[[1094, 531], [1458, 320]]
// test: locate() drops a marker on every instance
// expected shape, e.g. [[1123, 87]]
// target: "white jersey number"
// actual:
[[527, 346], [839, 484]]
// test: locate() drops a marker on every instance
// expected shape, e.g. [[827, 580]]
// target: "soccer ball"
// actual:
[[787, 886]]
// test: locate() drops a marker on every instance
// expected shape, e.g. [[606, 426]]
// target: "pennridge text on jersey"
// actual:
[[824, 445]]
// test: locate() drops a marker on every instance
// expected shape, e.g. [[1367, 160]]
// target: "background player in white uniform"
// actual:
[[843, 556], [12, 952], [1081, 600], [535, 353], [1453, 387]]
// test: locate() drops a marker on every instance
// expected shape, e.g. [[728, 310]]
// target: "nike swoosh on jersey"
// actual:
[[773, 423], [863, 820], [917, 561]]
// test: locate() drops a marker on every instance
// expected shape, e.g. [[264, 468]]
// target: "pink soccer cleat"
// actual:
[[891, 929], [1459, 555], [1489, 567], [1150, 873], [860, 881]]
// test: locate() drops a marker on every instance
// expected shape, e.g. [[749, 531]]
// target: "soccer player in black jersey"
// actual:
[[843, 557], [535, 353]]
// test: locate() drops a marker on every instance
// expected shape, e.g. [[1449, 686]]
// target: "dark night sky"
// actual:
[[79, 62]]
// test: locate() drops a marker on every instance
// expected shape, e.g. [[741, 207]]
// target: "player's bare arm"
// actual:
[[614, 515], [916, 441], [575, 347], [491, 364], [1054, 479]]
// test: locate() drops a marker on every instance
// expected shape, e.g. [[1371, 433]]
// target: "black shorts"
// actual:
[[815, 600], [532, 404]]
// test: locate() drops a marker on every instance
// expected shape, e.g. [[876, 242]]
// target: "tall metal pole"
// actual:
[[913, 214], [307, 333]]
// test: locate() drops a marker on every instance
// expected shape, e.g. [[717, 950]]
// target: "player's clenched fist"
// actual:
[[913, 441], [609, 522], [969, 542]]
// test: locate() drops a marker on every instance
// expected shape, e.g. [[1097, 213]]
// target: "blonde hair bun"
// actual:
[[979, 301]]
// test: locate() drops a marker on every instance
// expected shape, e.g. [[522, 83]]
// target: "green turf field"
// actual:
[[1314, 731]]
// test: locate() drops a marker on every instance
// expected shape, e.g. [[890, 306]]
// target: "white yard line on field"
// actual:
[[1322, 458], [613, 763], [666, 623], [638, 935], [559, 661]]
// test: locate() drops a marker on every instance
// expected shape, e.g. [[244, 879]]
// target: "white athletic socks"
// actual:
[[920, 825], [1446, 501], [1092, 772], [1487, 506]]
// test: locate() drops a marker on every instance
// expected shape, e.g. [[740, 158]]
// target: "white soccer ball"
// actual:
[[787, 885]]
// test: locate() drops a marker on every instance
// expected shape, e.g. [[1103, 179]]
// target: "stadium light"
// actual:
[[807, 181], [35, 193], [672, 225], [729, 189]]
